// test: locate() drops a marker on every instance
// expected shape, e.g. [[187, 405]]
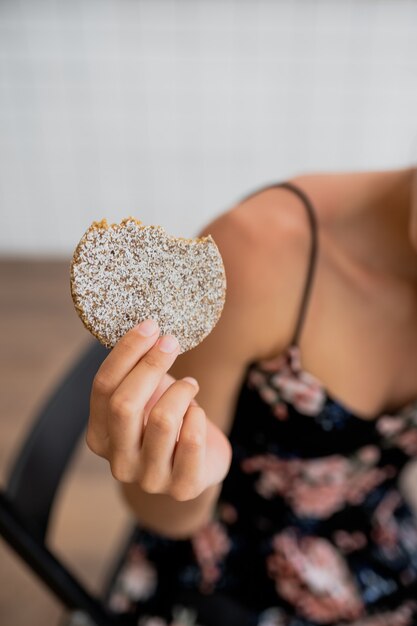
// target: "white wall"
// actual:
[[172, 110]]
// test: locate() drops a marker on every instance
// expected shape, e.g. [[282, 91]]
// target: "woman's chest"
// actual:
[[360, 340], [285, 412]]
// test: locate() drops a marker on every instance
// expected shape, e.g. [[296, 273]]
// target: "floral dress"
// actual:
[[311, 526]]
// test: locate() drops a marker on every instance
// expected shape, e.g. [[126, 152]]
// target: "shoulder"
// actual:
[[267, 227], [265, 244]]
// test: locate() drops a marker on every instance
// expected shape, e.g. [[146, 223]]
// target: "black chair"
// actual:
[[27, 500]]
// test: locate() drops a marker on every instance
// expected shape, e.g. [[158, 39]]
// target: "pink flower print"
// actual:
[[227, 513], [282, 378], [310, 574], [119, 602], [268, 394], [280, 410], [137, 580], [385, 530], [259, 381], [390, 426], [182, 616], [302, 391], [366, 481], [407, 441], [331, 469], [318, 487], [256, 378], [400, 430], [329, 484], [349, 542], [211, 544], [409, 412], [300, 388], [368, 455], [401, 616], [276, 475], [148, 620], [394, 535]]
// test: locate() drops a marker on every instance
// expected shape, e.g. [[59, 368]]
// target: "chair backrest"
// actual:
[[27, 500], [44, 456]]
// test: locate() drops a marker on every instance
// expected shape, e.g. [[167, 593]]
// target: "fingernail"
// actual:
[[191, 380], [147, 327], [168, 343]]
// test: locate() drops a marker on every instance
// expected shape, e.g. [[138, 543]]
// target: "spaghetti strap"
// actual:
[[311, 213]]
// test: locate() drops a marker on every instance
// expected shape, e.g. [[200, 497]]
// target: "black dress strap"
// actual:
[[311, 213]]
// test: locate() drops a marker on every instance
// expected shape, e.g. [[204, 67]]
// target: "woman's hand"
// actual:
[[148, 425]]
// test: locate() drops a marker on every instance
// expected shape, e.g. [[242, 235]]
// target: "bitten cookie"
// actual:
[[124, 273]]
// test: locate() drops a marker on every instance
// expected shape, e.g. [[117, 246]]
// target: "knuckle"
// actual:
[[91, 441], [101, 385], [129, 341], [121, 471], [197, 412], [185, 384], [96, 444], [183, 491], [161, 420], [152, 359], [122, 408], [192, 441], [150, 483]]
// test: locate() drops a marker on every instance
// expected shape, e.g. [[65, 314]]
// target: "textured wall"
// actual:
[[172, 110]]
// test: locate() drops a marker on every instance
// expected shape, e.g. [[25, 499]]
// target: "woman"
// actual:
[[279, 503]]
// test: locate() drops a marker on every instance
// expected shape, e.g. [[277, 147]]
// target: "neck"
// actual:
[[377, 231]]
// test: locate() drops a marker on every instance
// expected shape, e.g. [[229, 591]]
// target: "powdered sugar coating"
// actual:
[[124, 273]]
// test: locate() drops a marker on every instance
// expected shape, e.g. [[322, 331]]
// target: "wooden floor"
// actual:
[[40, 335]]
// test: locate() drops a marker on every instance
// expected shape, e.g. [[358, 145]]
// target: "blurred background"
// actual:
[[169, 111]]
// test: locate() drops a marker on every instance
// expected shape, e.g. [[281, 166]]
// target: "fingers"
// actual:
[[160, 436], [188, 465], [166, 381], [123, 357], [127, 404]]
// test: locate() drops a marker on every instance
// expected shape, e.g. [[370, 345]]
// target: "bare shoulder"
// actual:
[[265, 245]]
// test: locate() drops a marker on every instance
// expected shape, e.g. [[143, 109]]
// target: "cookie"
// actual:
[[124, 273]]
